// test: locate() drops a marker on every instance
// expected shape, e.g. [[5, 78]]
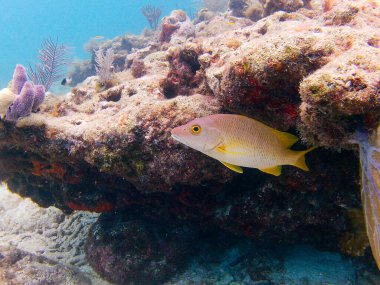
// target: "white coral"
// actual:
[[104, 67], [6, 99]]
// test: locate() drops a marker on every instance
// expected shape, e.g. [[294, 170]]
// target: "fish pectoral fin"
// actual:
[[223, 149], [276, 171], [287, 139], [235, 168]]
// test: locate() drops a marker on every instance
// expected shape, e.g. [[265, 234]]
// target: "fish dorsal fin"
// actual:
[[235, 168], [276, 171], [287, 139]]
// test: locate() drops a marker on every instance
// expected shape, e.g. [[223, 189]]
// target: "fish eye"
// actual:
[[196, 129]]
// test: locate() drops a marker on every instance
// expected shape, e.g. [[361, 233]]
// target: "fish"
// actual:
[[238, 141], [369, 156], [66, 81]]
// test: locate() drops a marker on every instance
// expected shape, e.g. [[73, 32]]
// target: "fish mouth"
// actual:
[[177, 138]]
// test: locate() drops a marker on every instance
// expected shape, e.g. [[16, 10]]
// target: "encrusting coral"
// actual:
[[313, 72]]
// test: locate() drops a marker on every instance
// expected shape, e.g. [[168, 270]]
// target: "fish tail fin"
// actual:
[[300, 159]]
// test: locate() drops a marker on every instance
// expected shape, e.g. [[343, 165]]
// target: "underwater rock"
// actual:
[[19, 267], [257, 9], [138, 68], [176, 27], [272, 6], [126, 249], [238, 7], [79, 71], [185, 73], [346, 92]]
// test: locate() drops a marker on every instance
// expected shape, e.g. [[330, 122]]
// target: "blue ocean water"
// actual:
[[24, 25]]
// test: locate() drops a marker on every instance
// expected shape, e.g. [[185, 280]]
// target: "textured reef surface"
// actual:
[[307, 67]]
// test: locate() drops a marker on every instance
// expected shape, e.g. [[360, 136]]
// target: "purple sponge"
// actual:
[[39, 96], [19, 78], [22, 105]]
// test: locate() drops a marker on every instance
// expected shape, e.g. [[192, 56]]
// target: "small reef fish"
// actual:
[[237, 141], [66, 81], [369, 151]]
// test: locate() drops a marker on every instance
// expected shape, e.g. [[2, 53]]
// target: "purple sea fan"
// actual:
[[53, 57], [19, 78], [39, 97], [22, 105]]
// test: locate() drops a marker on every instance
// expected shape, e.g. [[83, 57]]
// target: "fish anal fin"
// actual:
[[235, 168], [287, 139], [276, 171]]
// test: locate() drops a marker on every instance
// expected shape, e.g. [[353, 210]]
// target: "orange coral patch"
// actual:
[[101, 207]]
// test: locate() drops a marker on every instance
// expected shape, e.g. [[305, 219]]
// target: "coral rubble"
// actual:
[[311, 69]]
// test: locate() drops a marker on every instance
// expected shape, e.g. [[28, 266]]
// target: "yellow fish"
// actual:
[[237, 141]]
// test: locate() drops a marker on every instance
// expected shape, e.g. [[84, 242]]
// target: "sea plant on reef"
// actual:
[[152, 14], [53, 58], [104, 67]]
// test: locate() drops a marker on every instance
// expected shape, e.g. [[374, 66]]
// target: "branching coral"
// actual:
[[53, 57], [152, 14]]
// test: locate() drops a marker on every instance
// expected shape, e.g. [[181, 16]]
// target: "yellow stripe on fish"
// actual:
[[238, 141]]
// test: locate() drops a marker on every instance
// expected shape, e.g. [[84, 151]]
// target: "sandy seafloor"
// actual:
[[61, 239]]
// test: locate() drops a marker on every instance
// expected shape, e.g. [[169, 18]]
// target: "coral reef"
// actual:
[[138, 68], [176, 25], [44, 242], [19, 267], [313, 72], [125, 247], [257, 9], [185, 73]]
